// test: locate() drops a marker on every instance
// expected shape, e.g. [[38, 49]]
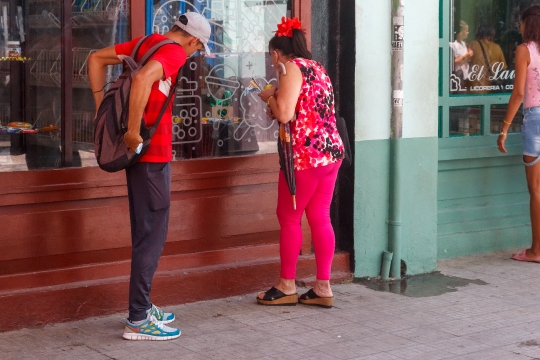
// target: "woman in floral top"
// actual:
[[306, 98]]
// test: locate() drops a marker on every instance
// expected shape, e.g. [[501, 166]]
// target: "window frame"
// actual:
[[447, 100]]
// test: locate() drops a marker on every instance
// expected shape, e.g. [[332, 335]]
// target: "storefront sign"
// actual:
[[480, 79], [497, 70]]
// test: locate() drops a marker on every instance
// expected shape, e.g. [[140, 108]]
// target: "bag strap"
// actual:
[[150, 52], [143, 61], [171, 95], [137, 47], [485, 57]]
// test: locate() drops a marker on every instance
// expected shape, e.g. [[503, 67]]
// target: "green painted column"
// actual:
[[418, 147]]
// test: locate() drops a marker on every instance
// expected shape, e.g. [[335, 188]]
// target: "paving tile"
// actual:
[[379, 356], [423, 335], [259, 318], [420, 352], [273, 345], [390, 323], [426, 317], [283, 327], [459, 346], [458, 327], [389, 342], [350, 349], [491, 354], [500, 320], [292, 312], [321, 320], [500, 337], [236, 351], [353, 332], [529, 348]]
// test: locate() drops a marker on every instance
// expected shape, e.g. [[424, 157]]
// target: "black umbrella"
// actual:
[[285, 151], [286, 158]]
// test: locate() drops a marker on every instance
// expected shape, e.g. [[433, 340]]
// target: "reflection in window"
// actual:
[[465, 121], [485, 35], [215, 112], [498, 113], [30, 96]]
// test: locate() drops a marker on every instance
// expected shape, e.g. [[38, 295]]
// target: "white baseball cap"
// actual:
[[196, 25]]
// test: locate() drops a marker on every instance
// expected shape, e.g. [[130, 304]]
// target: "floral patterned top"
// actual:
[[315, 138]]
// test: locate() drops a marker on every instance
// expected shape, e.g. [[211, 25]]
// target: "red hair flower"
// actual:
[[287, 26]]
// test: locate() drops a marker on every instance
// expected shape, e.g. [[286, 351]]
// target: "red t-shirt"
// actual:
[[172, 57]]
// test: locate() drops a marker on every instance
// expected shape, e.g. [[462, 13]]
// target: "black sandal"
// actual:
[[311, 298], [277, 297]]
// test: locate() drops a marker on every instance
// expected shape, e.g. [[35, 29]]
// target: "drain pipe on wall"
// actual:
[[396, 133]]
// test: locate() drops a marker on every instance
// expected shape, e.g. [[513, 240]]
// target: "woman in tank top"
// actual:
[[305, 98], [527, 91]]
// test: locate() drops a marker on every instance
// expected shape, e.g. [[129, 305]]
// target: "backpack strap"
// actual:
[[150, 52], [138, 46], [171, 95], [130, 60]]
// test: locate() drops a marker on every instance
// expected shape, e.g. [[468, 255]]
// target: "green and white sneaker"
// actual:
[[164, 317], [151, 329]]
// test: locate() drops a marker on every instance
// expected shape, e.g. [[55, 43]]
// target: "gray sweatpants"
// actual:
[[149, 194]]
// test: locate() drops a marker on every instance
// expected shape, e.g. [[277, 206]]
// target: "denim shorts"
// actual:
[[530, 131]]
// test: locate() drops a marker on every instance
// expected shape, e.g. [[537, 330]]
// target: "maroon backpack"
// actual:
[[112, 117]]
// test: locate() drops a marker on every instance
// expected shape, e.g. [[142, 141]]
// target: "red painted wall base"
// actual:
[[66, 243], [52, 300]]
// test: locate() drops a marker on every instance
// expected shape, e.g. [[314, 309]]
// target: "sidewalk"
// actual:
[[486, 307]]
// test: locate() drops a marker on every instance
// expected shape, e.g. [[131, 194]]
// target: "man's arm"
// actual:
[[138, 98], [97, 70]]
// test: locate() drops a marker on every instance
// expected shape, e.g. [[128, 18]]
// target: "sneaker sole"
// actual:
[[134, 336]]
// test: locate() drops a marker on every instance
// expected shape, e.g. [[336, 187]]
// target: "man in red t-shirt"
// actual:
[[149, 180]]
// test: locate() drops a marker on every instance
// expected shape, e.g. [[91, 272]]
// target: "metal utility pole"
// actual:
[[397, 68], [396, 132]]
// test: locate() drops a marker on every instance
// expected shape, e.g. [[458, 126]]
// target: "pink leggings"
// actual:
[[314, 190]]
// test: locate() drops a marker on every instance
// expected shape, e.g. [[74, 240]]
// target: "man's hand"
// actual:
[[132, 140]]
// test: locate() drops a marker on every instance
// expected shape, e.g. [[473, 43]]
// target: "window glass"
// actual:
[[465, 121], [216, 112], [497, 117], [30, 77], [484, 35]]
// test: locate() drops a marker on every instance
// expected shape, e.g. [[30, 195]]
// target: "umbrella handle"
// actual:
[[294, 202]]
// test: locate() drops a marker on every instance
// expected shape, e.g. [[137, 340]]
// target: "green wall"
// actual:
[[459, 195], [419, 204], [483, 203], [371, 190], [418, 157]]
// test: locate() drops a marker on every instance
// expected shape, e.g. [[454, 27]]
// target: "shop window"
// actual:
[[484, 37], [216, 110], [497, 117], [30, 78], [477, 52], [215, 113], [465, 121]]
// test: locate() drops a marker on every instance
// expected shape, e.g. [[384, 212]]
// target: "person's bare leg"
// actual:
[[533, 183], [286, 286], [322, 288]]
